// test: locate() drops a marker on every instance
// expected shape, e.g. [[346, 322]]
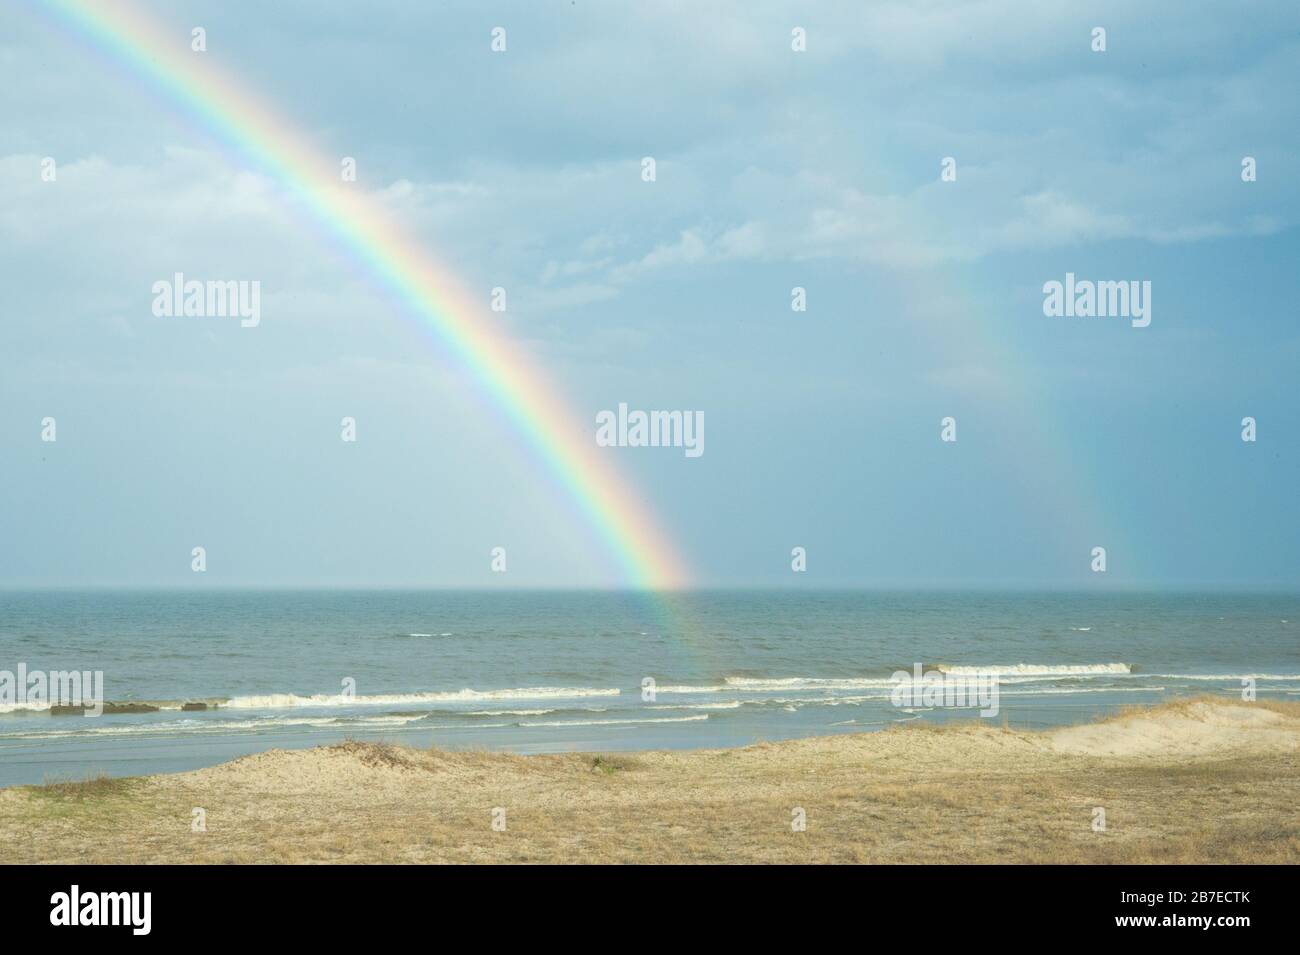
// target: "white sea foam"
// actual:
[[191, 727], [1008, 673], [745, 684], [728, 705], [658, 719], [681, 689], [1072, 690], [1226, 676], [279, 701], [43, 706], [1035, 669], [741, 684], [830, 685], [33, 707]]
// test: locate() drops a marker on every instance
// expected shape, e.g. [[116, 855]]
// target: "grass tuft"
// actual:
[[609, 765], [378, 755], [97, 786]]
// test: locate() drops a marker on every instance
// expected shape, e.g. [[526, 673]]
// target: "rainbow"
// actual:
[[530, 403]]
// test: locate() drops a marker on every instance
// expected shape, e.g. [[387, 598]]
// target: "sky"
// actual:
[[775, 168]]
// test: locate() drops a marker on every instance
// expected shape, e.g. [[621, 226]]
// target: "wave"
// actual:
[[1035, 669], [277, 701], [1071, 691], [1008, 672], [1226, 676], [24, 707], [728, 705], [286, 701], [115, 707], [198, 726], [177, 728], [732, 691], [657, 719], [687, 688], [740, 684], [799, 702], [749, 685]]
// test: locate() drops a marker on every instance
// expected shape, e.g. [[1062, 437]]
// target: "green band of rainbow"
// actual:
[[619, 517]]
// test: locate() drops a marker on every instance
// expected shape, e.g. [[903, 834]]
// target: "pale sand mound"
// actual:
[[1198, 728], [371, 770]]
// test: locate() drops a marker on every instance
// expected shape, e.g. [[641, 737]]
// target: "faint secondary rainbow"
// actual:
[[531, 404]]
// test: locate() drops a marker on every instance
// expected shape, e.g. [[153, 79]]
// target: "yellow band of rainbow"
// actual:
[[533, 405]]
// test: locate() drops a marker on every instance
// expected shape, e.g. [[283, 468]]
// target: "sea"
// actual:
[[209, 676]]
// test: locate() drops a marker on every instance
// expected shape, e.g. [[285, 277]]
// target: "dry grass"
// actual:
[[98, 786], [967, 793], [1188, 704]]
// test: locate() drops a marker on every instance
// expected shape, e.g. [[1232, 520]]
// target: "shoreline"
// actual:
[[1201, 780]]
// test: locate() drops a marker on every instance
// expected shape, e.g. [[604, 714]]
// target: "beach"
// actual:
[[190, 680], [1201, 780]]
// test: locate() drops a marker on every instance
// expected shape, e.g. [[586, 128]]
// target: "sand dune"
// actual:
[[1194, 729], [1204, 780]]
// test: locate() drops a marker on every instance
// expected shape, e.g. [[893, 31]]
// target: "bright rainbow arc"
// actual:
[[528, 400]]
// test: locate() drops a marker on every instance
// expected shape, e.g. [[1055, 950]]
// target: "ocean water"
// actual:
[[551, 671]]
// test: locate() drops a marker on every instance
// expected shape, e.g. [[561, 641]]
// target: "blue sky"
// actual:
[[776, 169]]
